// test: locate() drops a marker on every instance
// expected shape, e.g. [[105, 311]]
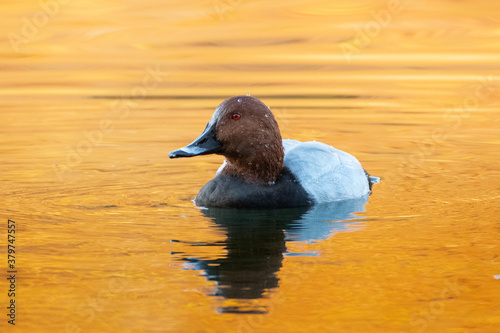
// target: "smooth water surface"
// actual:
[[95, 95]]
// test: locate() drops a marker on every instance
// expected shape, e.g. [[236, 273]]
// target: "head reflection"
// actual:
[[256, 244]]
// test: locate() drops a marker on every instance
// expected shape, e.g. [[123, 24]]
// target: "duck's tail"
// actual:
[[371, 180]]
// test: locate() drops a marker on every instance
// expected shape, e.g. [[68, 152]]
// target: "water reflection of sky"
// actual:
[[256, 245]]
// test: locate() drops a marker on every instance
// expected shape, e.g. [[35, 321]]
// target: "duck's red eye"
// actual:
[[236, 116]]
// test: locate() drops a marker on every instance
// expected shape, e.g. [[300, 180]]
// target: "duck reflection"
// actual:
[[256, 244]]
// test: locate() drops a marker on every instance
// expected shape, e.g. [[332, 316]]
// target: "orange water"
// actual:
[[93, 98]]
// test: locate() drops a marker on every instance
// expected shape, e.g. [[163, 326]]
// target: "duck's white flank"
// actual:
[[327, 174]]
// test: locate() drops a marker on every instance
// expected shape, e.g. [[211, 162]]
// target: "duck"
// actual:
[[263, 171]]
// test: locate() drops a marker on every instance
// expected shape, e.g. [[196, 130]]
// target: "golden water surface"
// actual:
[[94, 94]]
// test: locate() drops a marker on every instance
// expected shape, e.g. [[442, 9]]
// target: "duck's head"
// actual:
[[245, 132]]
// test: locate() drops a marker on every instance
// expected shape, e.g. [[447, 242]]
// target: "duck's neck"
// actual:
[[260, 168]]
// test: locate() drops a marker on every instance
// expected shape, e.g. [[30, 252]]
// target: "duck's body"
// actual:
[[264, 172], [227, 191]]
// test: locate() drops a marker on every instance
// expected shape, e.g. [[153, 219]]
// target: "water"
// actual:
[[108, 239]]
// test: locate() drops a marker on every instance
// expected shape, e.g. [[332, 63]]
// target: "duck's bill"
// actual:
[[206, 143]]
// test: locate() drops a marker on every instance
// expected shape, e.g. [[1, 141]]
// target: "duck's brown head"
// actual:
[[245, 132]]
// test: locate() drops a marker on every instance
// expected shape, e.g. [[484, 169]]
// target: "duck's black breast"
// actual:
[[225, 191]]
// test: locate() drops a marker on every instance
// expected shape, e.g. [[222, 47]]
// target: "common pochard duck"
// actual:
[[262, 171]]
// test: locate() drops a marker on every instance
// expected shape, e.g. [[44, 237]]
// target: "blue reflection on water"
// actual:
[[256, 245]]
